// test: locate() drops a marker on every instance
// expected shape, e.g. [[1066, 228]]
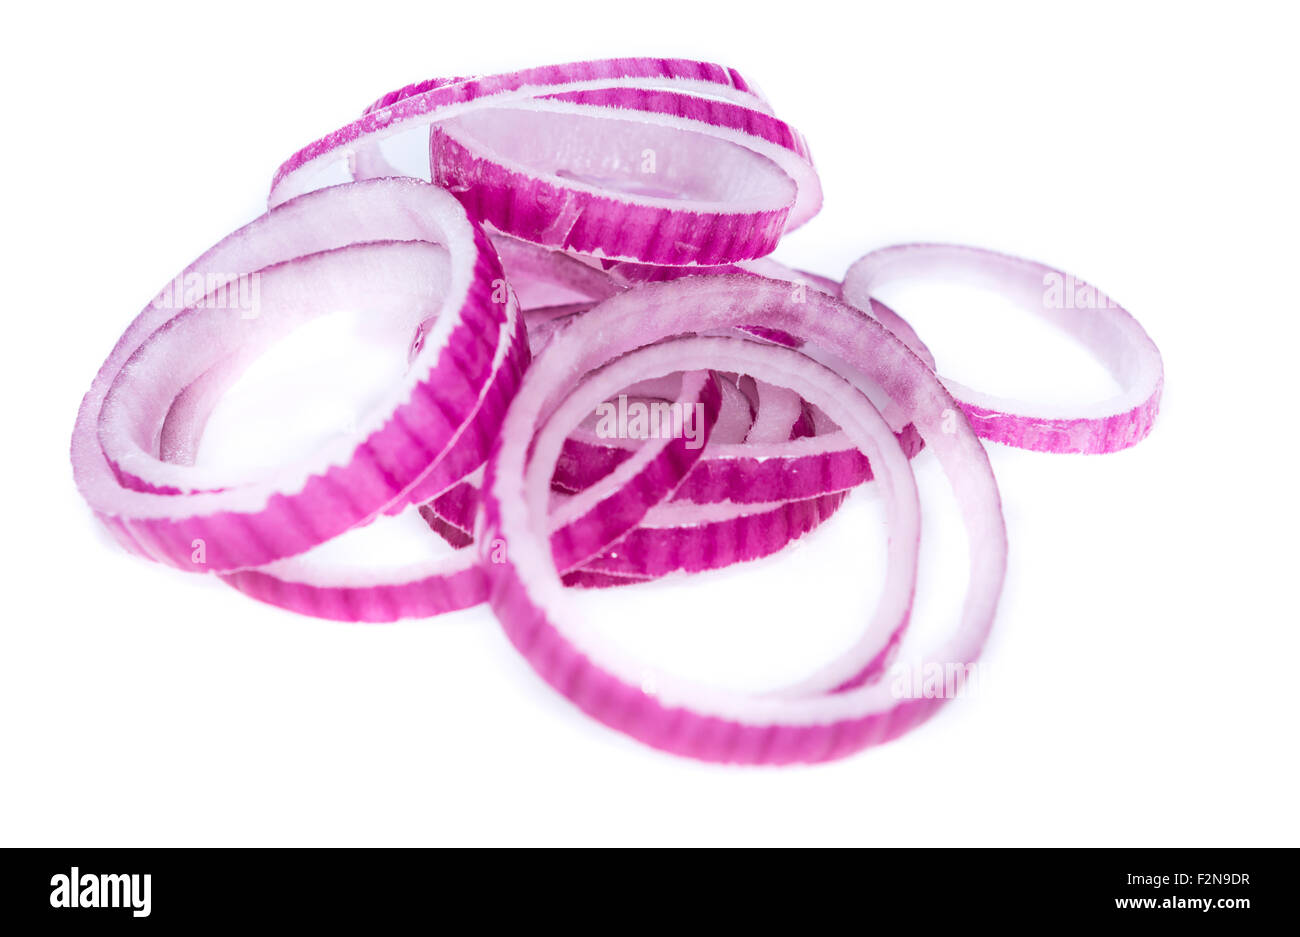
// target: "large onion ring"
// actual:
[[679, 716]]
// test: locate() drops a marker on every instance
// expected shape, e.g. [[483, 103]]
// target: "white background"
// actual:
[[1142, 670]]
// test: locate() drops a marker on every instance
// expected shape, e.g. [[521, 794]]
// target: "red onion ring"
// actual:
[[308, 585], [675, 715], [894, 475], [1104, 328], [251, 525], [612, 187], [800, 468], [427, 102], [667, 540], [433, 588], [587, 522], [745, 124], [728, 110], [680, 537]]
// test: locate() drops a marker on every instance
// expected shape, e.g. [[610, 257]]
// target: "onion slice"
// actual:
[[1078, 309], [682, 537], [681, 716], [304, 585], [351, 481], [586, 523], [612, 187], [425, 103]]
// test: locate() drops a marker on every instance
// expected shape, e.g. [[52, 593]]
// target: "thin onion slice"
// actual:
[[676, 715], [542, 277], [728, 110], [806, 465], [681, 537], [355, 479], [740, 123], [667, 540], [1078, 309], [612, 187], [587, 522], [876, 440], [312, 585], [427, 102], [299, 584]]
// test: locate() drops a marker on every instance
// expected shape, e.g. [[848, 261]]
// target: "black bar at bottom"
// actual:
[[132, 889]]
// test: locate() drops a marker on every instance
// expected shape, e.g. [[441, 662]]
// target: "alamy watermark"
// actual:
[[1063, 291], [655, 419], [79, 890], [937, 679], [237, 291]]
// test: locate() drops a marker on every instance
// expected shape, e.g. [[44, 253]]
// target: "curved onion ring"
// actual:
[[758, 472], [434, 588], [730, 112], [349, 482], [425, 103], [1086, 314], [310, 585], [877, 441], [612, 187], [680, 537], [667, 540], [676, 715]]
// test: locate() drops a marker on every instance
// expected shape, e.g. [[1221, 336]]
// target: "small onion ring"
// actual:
[[1103, 327]]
